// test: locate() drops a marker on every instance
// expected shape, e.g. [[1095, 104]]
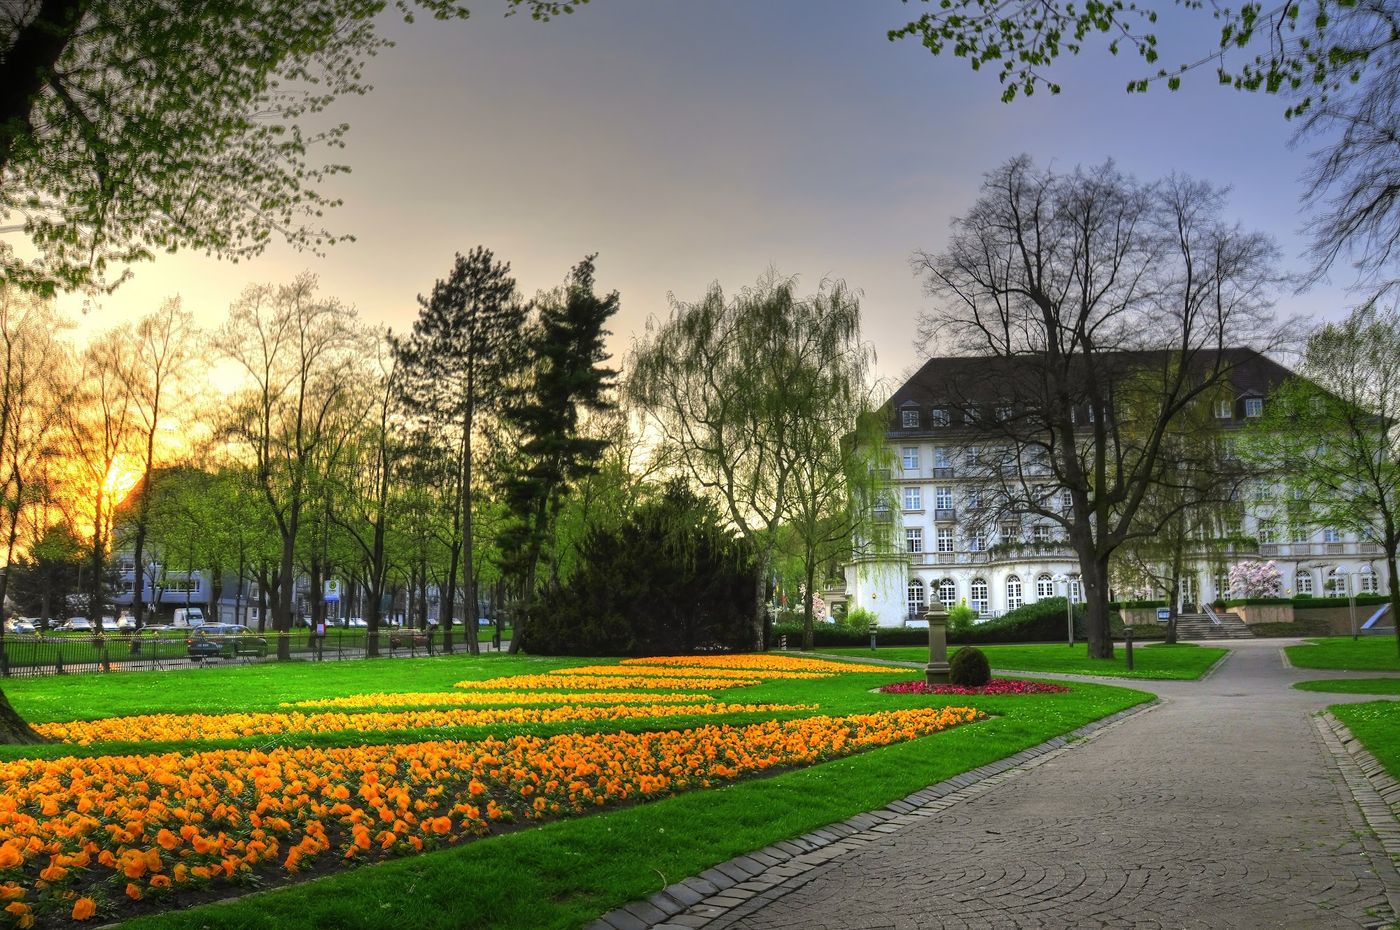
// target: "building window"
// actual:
[[974, 498], [1253, 407], [1336, 584], [914, 539], [1008, 532], [947, 592], [1331, 534], [1074, 595], [945, 539], [1066, 501], [916, 598], [940, 416], [910, 460], [1302, 582], [1224, 409], [1268, 532], [1003, 414], [1370, 584], [974, 455], [940, 458], [1013, 592], [943, 498], [1041, 534], [909, 419], [978, 596], [913, 498], [1044, 587], [1298, 533], [976, 541]]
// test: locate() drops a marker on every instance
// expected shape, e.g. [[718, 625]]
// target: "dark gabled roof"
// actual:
[[967, 385]]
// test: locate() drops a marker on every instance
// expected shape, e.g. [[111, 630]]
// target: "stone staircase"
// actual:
[[1199, 626]]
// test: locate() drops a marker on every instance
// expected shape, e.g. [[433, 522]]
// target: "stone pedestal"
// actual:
[[936, 672]]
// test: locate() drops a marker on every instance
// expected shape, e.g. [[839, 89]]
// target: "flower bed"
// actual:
[[995, 686], [430, 698], [147, 728], [80, 836], [757, 663], [576, 682]]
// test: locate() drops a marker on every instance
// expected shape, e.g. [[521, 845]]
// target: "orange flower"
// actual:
[[84, 908], [10, 857], [134, 892]]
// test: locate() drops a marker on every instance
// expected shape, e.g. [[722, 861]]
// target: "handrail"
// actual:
[[1211, 614]]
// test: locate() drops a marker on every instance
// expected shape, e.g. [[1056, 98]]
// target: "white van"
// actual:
[[188, 616]]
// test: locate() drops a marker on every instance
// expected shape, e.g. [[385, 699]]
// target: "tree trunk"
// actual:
[[1394, 586], [1174, 588], [286, 587], [1093, 575], [468, 550], [13, 729], [807, 618], [447, 601]]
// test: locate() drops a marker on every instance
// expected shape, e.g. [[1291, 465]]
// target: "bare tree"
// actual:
[[1101, 309], [294, 349], [160, 354]]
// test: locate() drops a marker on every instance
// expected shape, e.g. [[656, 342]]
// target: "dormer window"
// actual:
[[940, 416], [1224, 409], [1254, 407], [909, 418]]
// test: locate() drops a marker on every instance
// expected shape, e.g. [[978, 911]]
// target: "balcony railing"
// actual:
[[944, 513], [942, 471]]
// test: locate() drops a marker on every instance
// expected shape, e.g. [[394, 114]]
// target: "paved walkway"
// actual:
[[1218, 808]]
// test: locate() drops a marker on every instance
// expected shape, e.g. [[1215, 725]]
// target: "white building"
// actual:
[[954, 543]]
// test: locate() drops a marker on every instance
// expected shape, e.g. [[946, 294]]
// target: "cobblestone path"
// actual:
[[1219, 808]]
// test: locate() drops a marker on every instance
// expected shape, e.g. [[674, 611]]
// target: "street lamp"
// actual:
[[1363, 571], [1064, 580]]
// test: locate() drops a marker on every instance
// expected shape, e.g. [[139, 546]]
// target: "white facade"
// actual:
[[950, 545]]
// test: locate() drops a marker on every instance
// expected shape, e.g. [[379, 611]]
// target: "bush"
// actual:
[[671, 579], [1306, 601], [1306, 627], [1256, 601], [1122, 605], [969, 668], [826, 636], [858, 620], [1041, 622], [960, 620]]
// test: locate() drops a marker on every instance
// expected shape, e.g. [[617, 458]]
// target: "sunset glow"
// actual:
[[122, 477]]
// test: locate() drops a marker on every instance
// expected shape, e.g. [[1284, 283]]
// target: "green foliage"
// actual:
[[969, 668], [858, 620], [1040, 622], [960, 621], [1305, 602], [671, 580], [119, 140]]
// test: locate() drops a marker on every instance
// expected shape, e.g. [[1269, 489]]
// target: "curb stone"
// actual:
[[727, 891], [1376, 795]]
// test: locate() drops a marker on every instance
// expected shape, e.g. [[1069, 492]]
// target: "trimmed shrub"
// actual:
[[1257, 601], [1300, 627], [1121, 605], [1041, 622], [829, 635], [1366, 599], [969, 668]]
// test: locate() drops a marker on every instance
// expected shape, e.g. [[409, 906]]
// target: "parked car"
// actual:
[[126, 622], [75, 625], [153, 630], [407, 636], [224, 640], [188, 616], [20, 625], [110, 625], [356, 623]]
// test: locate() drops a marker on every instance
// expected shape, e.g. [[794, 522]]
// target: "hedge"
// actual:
[[1122, 605], [826, 635], [1304, 627], [1361, 599]]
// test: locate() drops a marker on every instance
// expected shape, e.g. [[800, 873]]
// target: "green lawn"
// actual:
[[564, 873], [1351, 685], [1371, 653], [1183, 661], [1377, 725]]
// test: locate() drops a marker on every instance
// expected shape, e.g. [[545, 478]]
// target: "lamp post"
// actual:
[[1064, 580], [1362, 572], [936, 672], [1342, 575]]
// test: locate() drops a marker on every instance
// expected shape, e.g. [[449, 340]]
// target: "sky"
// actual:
[[712, 140]]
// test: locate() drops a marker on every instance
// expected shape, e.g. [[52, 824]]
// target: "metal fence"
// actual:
[[27, 655]]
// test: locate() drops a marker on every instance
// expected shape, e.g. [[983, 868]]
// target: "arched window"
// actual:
[[1044, 587], [1303, 582], [947, 593], [978, 596], [1013, 592], [1370, 584], [1336, 584], [1074, 591], [916, 600]]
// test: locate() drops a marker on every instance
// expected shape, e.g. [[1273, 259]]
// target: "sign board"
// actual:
[[1164, 614], [332, 589], [320, 629]]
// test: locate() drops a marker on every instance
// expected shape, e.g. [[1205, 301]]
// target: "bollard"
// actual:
[[782, 642], [1128, 646], [873, 628]]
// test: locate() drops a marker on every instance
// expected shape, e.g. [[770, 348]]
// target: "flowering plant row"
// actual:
[[553, 682], [145, 728], [431, 698], [995, 686], [758, 662], [693, 670], [79, 836]]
